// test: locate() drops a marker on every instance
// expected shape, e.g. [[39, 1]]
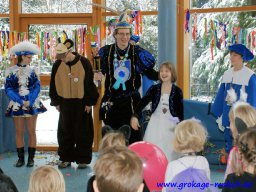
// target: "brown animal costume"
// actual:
[[72, 91]]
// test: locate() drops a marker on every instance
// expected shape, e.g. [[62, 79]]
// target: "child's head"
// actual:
[[247, 148], [6, 183], [190, 136], [167, 67], [118, 169], [112, 139], [46, 178], [243, 111]]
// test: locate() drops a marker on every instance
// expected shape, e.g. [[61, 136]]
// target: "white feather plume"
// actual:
[[25, 46]]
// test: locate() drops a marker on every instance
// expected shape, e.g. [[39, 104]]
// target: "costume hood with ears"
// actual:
[[241, 126], [64, 47], [239, 123], [125, 129], [242, 50]]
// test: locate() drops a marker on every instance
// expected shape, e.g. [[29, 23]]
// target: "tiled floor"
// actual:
[[76, 179]]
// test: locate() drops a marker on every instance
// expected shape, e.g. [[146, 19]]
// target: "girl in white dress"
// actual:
[[167, 110]]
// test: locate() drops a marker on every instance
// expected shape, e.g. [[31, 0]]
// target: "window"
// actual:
[[149, 37], [4, 6], [47, 130], [4, 58], [220, 3], [56, 6], [208, 62], [5, 24], [142, 5], [51, 33]]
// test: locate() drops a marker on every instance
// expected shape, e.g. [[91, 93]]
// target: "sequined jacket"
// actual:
[[154, 95], [22, 84]]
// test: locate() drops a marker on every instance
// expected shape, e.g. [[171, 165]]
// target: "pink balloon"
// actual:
[[154, 163]]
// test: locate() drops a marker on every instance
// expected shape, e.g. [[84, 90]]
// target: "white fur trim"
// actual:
[[240, 77], [25, 46]]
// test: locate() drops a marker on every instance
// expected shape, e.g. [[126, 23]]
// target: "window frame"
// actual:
[[183, 42]]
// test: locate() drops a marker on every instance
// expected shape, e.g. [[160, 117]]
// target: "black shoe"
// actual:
[[64, 164], [20, 162], [30, 162], [82, 166], [31, 155], [21, 155]]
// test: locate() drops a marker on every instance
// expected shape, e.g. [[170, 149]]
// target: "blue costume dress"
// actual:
[[235, 86], [123, 70], [22, 84]]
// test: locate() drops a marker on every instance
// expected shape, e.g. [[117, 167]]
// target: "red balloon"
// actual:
[[154, 163]]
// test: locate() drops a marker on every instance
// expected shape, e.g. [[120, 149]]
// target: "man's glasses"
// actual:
[[124, 34]]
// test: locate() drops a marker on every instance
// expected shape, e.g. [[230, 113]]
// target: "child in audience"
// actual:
[[244, 178], [112, 139], [118, 169], [46, 179], [242, 117], [167, 110], [6, 183], [190, 137]]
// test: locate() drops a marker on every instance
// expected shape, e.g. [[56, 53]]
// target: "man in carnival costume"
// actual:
[[238, 84], [123, 64], [73, 93]]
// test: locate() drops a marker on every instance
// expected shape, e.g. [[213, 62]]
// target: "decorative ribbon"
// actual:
[[186, 24], [194, 30], [119, 81], [205, 31]]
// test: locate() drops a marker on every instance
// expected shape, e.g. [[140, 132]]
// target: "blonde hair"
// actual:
[[248, 115], [247, 149], [118, 169], [111, 140], [171, 67], [245, 112], [189, 135], [46, 179]]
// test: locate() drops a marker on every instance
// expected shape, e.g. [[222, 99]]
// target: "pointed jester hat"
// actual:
[[122, 22]]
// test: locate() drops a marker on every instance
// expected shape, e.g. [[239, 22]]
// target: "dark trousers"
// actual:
[[120, 114], [75, 132]]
